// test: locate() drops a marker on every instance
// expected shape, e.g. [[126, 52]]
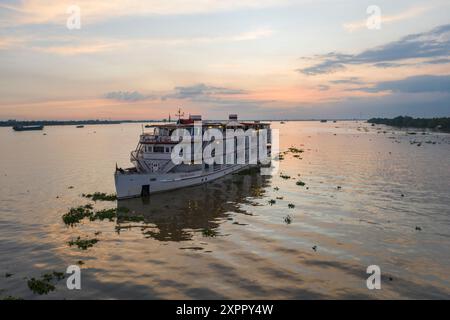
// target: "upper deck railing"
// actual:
[[150, 138]]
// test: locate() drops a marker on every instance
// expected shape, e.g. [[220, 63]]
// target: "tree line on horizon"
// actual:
[[442, 123]]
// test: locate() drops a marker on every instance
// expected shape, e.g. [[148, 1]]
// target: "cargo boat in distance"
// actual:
[[154, 171], [27, 128]]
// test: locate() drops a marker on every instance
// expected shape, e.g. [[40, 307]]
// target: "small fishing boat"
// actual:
[[323, 121], [27, 128], [80, 126]]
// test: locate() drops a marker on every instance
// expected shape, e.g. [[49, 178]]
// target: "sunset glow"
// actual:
[[291, 59]]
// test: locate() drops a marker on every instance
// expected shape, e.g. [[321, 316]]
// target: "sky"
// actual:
[[261, 59]]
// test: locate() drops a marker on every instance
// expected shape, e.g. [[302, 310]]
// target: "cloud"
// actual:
[[82, 48], [429, 46], [415, 84], [387, 19], [386, 65], [351, 80], [54, 11], [73, 46], [201, 91], [127, 96], [212, 96]]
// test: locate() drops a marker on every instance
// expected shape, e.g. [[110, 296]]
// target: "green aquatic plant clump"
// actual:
[[75, 215], [59, 275], [109, 214], [209, 233], [300, 183], [127, 218], [83, 244], [295, 150], [100, 196], [112, 213], [288, 219], [44, 285], [40, 286]]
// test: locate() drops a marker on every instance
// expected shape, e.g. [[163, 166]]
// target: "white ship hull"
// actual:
[[131, 185]]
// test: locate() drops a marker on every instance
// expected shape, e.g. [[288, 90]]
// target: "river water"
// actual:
[[372, 196]]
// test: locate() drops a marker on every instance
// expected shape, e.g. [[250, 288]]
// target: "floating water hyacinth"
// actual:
[[109, 214], [209, 233], [75, 215], [295, 150], [127, 218], [83, 244], [39, 286], [44, 285], [288, 219], [100, 196]]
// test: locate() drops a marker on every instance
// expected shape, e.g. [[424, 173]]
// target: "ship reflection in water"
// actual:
[[179, 214]]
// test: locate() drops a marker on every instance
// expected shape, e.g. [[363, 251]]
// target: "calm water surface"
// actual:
[[255, 253]]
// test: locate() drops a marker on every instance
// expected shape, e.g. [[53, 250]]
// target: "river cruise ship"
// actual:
[[154, 169]]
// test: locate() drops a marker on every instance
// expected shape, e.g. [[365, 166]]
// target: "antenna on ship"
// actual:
[[179, 114]]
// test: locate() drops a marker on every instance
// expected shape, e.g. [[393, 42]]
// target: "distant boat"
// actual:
[[148, 126], [27, 128], [282, 122], [323, 120], [81, 126]]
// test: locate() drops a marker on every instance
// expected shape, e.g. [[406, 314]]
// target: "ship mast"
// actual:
[[179, 114]]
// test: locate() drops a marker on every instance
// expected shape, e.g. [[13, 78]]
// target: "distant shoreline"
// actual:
[[11, 123], [442, 124]]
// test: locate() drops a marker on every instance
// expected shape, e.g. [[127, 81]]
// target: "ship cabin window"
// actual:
[[167, 149], [158, 149]]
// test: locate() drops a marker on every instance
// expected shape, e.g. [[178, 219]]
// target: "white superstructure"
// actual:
[[155, 171]]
